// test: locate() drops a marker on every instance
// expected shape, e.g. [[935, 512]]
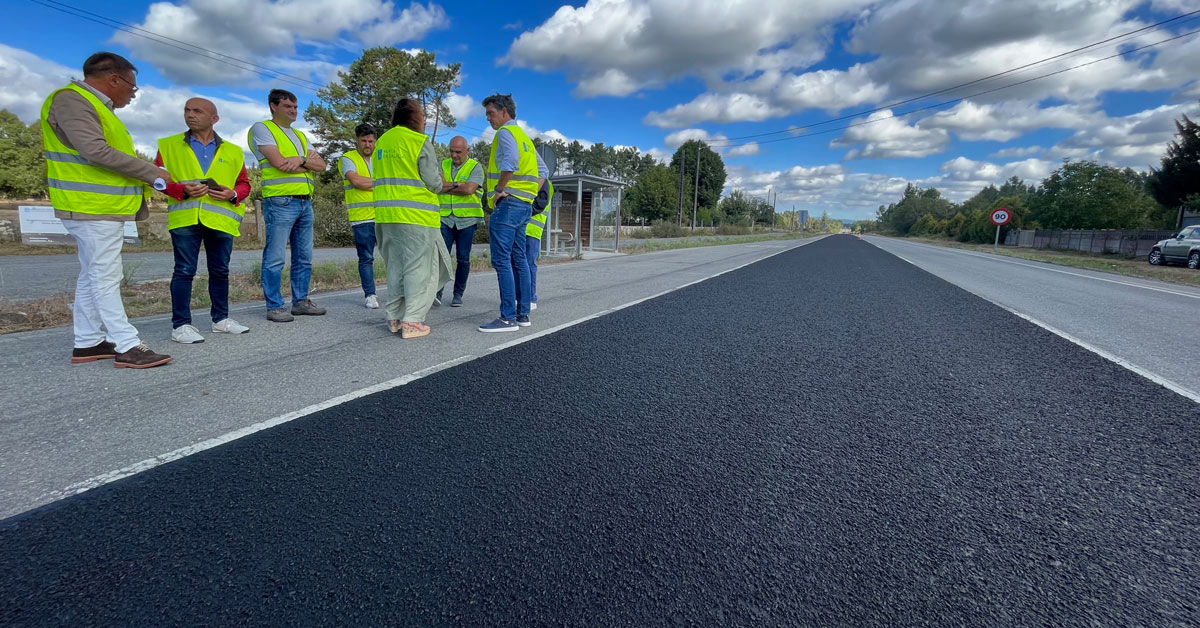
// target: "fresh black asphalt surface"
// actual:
[[827, 437]]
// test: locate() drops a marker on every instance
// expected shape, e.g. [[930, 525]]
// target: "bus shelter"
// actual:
[[585, 215]]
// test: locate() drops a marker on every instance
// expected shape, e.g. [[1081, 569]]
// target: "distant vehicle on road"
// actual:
[[1184, 248]]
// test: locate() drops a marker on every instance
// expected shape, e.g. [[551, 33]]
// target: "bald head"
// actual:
[[458, 150], [200, 114]]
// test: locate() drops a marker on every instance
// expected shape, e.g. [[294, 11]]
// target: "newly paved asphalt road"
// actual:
[[826, 437]]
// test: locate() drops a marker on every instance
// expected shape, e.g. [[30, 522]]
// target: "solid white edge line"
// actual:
[[1000, 258], [1122, 362], [182, 452], [610, 310]]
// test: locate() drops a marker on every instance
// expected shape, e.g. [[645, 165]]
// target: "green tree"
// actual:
[[1177, 182], [22, 167], [1088, 195], [368, 92], [736, 206], [712, 172], [899, 217], [653, 196]]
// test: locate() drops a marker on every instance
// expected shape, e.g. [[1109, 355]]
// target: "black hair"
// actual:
[[105, 63], [279, 95], [502, 101], [363, 130]]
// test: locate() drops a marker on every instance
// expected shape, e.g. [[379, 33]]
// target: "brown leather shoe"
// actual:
[[140, 357], [103, 351]]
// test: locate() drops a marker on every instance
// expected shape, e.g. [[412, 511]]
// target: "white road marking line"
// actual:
[[182, 452], [1054, 270], [558, 328], [1126, 364]]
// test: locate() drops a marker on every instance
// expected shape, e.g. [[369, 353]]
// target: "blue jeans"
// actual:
[[364, 242], [218, 245], [288, 220], [461, 240], [506, 224], [533, 247]]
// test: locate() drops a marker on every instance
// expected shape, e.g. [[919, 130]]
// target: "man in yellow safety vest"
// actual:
[[515, 173], [206, 207], [462, 211], [288, 163], [360, 206], [96, 183]]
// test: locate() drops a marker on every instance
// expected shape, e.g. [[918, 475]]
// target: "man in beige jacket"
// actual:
[[96, 183]]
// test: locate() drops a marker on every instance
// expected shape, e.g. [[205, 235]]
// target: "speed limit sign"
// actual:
[[1001, 217]]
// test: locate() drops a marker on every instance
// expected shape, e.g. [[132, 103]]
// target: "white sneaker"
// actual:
[[533, 306], [372, 302], [186, 334], [230, 326]]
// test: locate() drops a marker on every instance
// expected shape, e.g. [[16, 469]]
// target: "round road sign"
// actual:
[[1001, 216]]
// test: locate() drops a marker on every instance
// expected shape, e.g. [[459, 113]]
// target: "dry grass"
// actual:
[[1119, 264]]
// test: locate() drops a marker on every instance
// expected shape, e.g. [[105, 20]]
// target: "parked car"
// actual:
[[1184, 248]]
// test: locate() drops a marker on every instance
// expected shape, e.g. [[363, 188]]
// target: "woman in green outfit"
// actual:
[[407, 178]]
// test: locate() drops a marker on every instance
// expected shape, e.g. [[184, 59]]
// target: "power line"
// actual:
[[265, 72], [727, 142], [962, 98]]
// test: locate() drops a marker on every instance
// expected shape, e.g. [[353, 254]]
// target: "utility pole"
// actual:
[[679, 210], [696, 187], [773, 209]]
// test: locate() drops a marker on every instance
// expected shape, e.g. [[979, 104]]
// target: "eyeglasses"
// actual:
[[135, 87]]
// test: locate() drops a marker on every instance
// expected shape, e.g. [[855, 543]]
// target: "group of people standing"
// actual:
[[399, 198]]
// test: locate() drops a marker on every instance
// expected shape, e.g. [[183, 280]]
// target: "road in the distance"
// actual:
[[1151, 324]]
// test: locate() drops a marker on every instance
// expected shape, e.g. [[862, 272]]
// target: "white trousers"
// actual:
[[98, 305]]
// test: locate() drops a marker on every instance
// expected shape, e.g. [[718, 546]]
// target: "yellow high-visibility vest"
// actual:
[[465, 206], [400, 195], [76, 185], [537, 222], [360, 204], [180, 160], [524, 181], [276, 182]]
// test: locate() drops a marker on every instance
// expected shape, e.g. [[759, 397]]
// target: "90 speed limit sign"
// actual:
[[1001, 217]]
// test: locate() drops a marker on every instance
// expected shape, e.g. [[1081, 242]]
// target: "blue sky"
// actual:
[[653, 73]]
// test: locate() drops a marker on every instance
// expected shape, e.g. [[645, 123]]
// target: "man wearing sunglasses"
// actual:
[[97, 183]]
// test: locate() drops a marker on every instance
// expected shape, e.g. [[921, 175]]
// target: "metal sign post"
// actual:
[[1000, 216]]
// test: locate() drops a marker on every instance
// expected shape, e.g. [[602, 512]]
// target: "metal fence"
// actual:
[[1128, 242]]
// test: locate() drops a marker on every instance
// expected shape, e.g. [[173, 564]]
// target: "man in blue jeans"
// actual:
[[360, 206], [462, 211], [287, 165], [515, 173], [206, 207]]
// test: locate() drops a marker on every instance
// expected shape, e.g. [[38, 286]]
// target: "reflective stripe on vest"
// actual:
[[524, 181], [180, 160], [537, 222], [75, 185], [276, 182], [360, 206], [457, 204], [400, 195]]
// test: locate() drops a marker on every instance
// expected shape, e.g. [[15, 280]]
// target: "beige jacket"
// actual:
[[75, 122]]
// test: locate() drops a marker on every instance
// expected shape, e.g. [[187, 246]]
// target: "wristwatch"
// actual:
[[233, 201], [455, 186], [304, 161]]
